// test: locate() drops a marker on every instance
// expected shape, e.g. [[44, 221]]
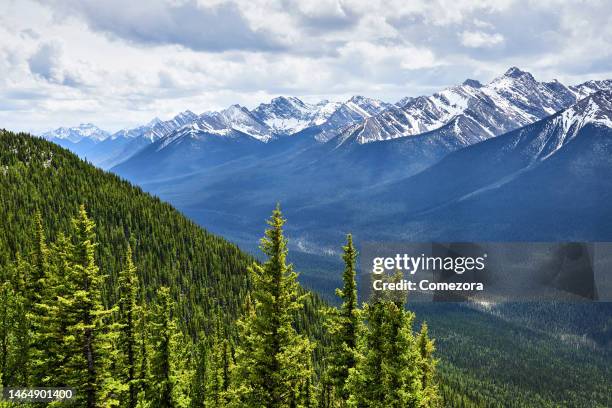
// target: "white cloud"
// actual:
[[478, 39], [118, 63]]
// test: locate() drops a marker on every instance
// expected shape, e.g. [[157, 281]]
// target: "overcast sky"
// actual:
[[119, 63]]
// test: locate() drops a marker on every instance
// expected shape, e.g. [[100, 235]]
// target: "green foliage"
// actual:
[[170, 367], [156, 327], [273, 362], [387, 374], [203, 271], [128, 324], [344, 326]]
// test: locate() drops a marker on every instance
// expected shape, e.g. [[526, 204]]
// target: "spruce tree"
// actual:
[[128, 330], [49, 317], [344, 326], [427, 366], [34, 291], [86, 342], [199, 386], [273, 362], [13, 330], [39, 261], [219, 365], [387, 373], [170, 374], [163, 331]]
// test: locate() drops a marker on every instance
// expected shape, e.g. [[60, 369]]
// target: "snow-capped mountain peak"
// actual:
[[595, 109], [475, 111], [77, 133], [235, 117], [472, 83], [514, 72], [549, 136]]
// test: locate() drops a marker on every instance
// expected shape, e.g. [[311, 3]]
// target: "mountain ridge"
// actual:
[[459, 116]]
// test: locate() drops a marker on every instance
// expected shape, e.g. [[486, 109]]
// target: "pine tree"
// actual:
[[344, 327], [13, 329], [163, 331], [49, 319], [128, 330], [219, 367], [199, 385], [272, 361], [387, 374], [221, 363], [34, 290], [144, 347], [39, 263], [170, 361], [86, 342], [427, 365], [366, 390]]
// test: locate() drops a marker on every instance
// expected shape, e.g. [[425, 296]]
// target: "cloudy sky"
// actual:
[[119, 63]]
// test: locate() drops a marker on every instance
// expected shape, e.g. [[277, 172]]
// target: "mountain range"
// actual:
[[462, 115], [513, 159]]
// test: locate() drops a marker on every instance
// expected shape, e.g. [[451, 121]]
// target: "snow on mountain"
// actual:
[[77, 133], [590, 87], [283, 116], [476, 111], [235, 118], [286, 115], [403, 101], [290, 115], [325, 109], [156, 128], [467, 113], [561, 129], [543, 181], [345, 114]]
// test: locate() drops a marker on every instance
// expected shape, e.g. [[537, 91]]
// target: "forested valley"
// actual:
[[110, 291]]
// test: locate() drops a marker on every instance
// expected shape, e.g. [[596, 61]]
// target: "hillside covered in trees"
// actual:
[[107, 290], [175, 316]]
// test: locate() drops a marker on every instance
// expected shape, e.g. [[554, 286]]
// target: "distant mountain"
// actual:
[[585, 89], [546, 181], [156, 129], [77, 133], [285, 116], [355, 110], [551, 180], [236, 118], [293, 150], [106, 150], [477, 111], [290, 115]]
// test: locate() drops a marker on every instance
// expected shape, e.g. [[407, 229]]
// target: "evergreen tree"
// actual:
[[219, 367], [49, 317], [344, 327], [86, 343], [273, 362], [34, 289], [144, 347], [128, 330], [427, 365], [39, 263], [163, 331], [199, 385], [13, 329], [170, 364], [387, 373]]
